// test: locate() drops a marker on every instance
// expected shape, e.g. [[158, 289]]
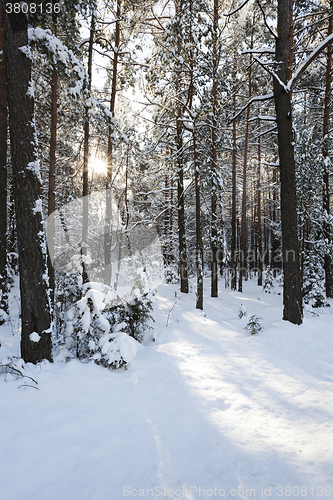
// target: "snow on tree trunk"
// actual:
[[292, 297], [328, 263], [35, 306], [108, 214], [52, 174], [181, 210], [234, 180], [259, 226], [198, 228], [85, 187], [3, 180], [214, 247]]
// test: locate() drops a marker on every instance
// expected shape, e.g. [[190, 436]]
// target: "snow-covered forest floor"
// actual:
[[205, 411]]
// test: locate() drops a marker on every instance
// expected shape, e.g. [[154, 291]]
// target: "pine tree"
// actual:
[[3, 180], [292, 297], [328, 260], [35, 304]]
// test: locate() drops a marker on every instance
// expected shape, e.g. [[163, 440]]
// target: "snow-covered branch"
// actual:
[[257, 98], [271, 72], [315, 53], [237, 9], [60, 54]]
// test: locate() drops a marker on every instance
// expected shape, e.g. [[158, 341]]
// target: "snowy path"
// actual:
[[206, 407]]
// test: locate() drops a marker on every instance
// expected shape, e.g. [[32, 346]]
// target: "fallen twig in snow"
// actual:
[[167, 321], [28, 385], [14, 371]]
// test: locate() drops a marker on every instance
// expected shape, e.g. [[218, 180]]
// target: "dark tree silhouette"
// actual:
[[35, 304], [292, 295]]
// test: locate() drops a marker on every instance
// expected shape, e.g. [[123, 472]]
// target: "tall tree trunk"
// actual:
[[292, 296], [52, 174], [35, 306], [126, 189], [171, 242], [181, 209], [125, 221], [214, 243], [275, 243], [243, 238], [198, 229], [233, 200], [108, 214], [166, 226], [328, 263], [180, 184], [85, 186], [259, 228], [168, 245], [3, 178]]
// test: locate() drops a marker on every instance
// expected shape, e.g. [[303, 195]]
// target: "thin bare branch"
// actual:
[[265, 20], [237, 9]]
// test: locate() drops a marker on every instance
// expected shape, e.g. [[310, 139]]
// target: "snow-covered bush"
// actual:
[[132, 315], [12, 264], [3, 316], [268, 284], [4, 290], [315, 223], [135, 307], [68, 291], [89, 334], [99, 323], [313, 287], [253, 326]]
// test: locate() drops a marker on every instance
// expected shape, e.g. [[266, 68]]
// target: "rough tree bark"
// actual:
[[3, 178], [243, 237], [85, 186], [35, 305], [181, 209], [171, 232], [108, 214], [233, 197], [180, 184], [292, 296], [214, 247], [52, 174], [328, 263], [198, 229], [259, 227], [275, 243]]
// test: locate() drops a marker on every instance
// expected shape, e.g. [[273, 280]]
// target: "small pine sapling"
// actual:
[[313, 287], [268, 285], [253, 326], [242, 311]]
